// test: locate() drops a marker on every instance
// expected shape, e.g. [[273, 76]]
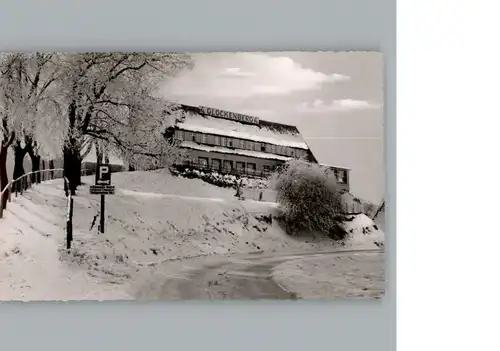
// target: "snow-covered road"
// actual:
[[243, 277]]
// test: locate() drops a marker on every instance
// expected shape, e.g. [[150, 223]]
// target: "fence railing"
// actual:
[[26, 181]]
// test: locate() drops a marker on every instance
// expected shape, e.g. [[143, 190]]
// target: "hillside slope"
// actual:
[[153, 217]]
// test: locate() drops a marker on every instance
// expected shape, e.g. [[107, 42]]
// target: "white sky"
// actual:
[[335, 99]]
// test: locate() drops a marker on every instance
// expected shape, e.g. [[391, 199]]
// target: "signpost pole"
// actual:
[[102, 187], [102, 213]]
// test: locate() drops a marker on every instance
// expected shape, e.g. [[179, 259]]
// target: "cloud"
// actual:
[[258, 75], [319, 106], [236, 72]]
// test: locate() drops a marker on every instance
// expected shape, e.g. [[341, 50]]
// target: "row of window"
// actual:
[[250, 168], [239, 143], [229, 166]]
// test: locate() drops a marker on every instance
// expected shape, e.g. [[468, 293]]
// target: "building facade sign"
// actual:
[[229, 115]]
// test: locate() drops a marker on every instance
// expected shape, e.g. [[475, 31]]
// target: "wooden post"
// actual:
[[101, 226], [1, 203], [69, 223]]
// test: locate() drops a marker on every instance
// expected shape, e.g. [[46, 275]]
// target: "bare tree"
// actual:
[[9, 104], [98, 91], [26, 78]]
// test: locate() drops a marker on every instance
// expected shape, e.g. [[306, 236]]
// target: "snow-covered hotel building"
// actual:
[[233, 143]]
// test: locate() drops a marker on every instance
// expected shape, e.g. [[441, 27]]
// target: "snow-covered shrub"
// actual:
[[309, 197], [218, 179], [214, 178]]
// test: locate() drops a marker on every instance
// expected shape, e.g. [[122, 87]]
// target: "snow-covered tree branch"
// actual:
[[106, 96]]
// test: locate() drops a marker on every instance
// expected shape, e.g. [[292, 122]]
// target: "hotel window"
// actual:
[[194, 137], [344, 178], [203, 161], [256, 146], [267, 169], [216, 164], [341, 176], [223, 141], [204, 138], [263, 147], [279, 149], [242, 144], [249, 145], [230, 142], [273, 149], [228, 165], [293, 152], [289, 151], [240, 167], [188, 135], [251, 167], [217, 140]]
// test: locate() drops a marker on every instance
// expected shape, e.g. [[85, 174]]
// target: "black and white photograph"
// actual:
[[192, 176]]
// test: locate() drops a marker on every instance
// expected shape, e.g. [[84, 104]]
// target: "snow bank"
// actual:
[[153, 217], [363, 233], [31, 237], [335, 276], [348, 275]]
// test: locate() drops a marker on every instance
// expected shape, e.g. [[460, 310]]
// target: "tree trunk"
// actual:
[[35, 166], [51, 166], [98, 161], [7, 141], [71, 154], [43, 177], [72, 167], [99, 154], [78, 170], [72, 164], [4, 179], [19, 153], [32, 150]]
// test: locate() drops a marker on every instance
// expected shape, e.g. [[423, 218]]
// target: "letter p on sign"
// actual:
[[104, 176]]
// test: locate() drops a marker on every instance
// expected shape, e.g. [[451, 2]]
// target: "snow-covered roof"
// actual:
[[225, 150], [265, 132], [332, 166]]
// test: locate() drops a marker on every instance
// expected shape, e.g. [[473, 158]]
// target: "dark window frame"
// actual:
[[225, 163], [201, 163], [214, 166]]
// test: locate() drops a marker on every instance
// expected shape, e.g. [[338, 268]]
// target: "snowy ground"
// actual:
[[152, 218], [346, 276], [353, 276]]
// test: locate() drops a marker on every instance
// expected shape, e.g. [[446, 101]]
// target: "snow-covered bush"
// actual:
[[309, 197], [222, 180], [214, 178]]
